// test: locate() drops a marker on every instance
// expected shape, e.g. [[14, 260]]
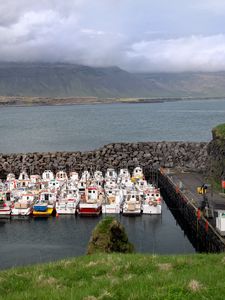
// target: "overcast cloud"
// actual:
[[136, 35]]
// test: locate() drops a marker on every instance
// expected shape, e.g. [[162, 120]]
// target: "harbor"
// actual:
[[197, 208]]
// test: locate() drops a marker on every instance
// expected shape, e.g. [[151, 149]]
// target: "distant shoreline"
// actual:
[[12, 101]]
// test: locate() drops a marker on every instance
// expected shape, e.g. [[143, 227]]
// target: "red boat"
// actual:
[[90, 202]]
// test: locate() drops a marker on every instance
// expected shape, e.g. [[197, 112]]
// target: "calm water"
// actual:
[[84, 127], [39, 240]]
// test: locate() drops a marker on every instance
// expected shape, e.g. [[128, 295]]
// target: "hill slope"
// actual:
[[66, 80], [118, 276]]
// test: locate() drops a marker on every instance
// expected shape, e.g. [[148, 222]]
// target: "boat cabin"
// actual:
[[74, 176], [48, 175], [111, 174]]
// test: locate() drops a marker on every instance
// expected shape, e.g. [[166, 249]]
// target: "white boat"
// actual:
[[152, 202], [132, 204], [110, 174], [67, 202], [137, 174], [85, 176], [24, 206], [61, 177], [123, 174], [48, 175], [23, 179], [98, 176], [74, 177], [112, 202], [48, 197]]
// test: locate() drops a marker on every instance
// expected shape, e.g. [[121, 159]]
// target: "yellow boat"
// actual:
[[46, 213]]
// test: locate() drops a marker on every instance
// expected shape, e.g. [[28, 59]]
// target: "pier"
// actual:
[[181, 196]]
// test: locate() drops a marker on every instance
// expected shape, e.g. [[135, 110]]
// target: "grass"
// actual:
[[109, 236], [219, 131], [119, 276]]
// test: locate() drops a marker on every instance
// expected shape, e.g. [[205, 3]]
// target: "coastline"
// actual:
[[14, 101]]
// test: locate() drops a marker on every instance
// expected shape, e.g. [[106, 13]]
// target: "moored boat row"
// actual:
[[88, 194]]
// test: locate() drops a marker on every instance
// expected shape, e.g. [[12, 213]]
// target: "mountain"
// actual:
[[70, 80]]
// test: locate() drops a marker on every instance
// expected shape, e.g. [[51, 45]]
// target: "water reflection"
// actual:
[[36, 240]]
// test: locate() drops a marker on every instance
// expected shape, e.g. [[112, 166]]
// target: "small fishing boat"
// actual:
[[132, 204], [48, 175], [23, 179], [110, 174], [41, 209], [90, 202], [123, 174], [112, 201], [5, 209], [45, 206], [61, 177], [137, 174], [24, 206], [67, 202], [152, 203]]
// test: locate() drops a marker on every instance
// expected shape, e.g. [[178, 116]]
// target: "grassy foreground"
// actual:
[[119, 276]]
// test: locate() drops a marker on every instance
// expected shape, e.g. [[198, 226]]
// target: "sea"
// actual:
[[88, 127]]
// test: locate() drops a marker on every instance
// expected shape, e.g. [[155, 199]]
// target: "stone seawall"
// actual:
[[186, 155]]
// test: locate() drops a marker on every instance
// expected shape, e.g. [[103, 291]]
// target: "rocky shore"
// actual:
[[185, 155]]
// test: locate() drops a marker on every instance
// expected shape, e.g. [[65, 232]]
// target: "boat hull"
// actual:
[[21, 211], [46, 213], [89, 209], [5, 213], [66, 211], [151, 209], [132, 213], [111, 209]]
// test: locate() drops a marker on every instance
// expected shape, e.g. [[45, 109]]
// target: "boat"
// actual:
[[152, 201], [112, 201], [41, 209], [45, 205], [48, 175], [85, 176], [67, 202], [61, 177], [111, 174], [5, 209], [123, 174], [137, 174], [132, 204], [90, 202], [23, 179], [24, 206]]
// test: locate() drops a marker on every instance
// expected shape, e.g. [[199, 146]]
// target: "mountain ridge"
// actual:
[[72, 80]]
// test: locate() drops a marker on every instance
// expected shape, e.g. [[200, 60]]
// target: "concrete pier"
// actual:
[[180, 194]]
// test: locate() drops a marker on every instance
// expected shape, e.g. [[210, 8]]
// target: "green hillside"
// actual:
[[119, 276]]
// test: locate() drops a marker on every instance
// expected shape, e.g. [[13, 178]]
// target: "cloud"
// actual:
[[194, 53], [135, 35], [214, 6]]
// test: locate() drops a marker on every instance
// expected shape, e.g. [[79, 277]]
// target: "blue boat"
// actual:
[[40, 206]]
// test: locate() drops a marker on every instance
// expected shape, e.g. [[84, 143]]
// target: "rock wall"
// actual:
[[216, 153], [186, 155]]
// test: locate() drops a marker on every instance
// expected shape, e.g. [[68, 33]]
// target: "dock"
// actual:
[[180, 194]]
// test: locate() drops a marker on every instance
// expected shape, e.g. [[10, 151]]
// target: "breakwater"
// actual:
[[185, 155], [200, 230]]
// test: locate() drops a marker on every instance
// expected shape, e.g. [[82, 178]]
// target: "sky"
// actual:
[[135, 35]]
